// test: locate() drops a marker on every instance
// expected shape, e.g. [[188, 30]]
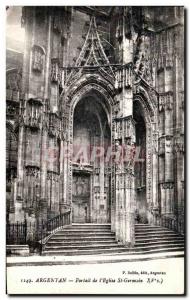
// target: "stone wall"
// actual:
[[130, 54]]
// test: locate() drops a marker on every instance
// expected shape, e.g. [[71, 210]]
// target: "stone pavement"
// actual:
[[86, 259]]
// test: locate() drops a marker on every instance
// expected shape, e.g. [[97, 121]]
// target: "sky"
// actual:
[[14, 32]]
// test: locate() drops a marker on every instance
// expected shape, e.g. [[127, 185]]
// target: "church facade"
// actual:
[[95, 117]]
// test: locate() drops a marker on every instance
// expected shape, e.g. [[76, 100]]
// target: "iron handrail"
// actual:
[[16, 233], [21, 233], [175, 224], [48, 227]]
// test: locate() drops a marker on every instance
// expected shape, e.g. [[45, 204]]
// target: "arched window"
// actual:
[[37, 58]]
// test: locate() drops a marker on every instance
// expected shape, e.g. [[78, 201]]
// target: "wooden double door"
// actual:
[[81, 198]]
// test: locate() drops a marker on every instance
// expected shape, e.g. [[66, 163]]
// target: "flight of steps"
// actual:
[[82, 239]]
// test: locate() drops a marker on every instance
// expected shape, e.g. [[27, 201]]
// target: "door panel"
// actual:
[[80, 212], [81, 198]]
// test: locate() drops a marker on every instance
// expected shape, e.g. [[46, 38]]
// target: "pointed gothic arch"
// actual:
[[102, 96], [148, 106]]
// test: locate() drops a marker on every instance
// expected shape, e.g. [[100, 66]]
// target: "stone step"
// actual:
[[100, 241], [92, 239], [137, 245], [83, 238], [142, 224], [159, 240], [139, 248], [80, 239], [154, 234], [89, 228], [108, 246], [112, 250], [79, 247], [149, 229], [76, 242], [158, 243], [84, 234], [138, 225], [159, 230], [20, 250], [93, 230], [91, 224]]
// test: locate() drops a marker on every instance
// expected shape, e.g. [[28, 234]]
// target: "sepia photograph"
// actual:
[[95, 152]]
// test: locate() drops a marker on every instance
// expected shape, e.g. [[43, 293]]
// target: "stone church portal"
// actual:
[[95, 122], [91, 172]]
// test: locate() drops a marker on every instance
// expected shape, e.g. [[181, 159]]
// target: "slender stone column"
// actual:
[[12, 200], [155, 176], [44, 158], [167, 198], [125, 134], [44, 131], [124, 221], [179, 123], [161, 169], [163, 198], [18, 193], [117, 206], [61, 183], [122, 207], [48, 56], [101, 200], [20, 171], [118, 150], [113, 179], [169, 192], [169, 173], [169, 163], [129, 238], [125, 185], [65, 169], [165, 87]]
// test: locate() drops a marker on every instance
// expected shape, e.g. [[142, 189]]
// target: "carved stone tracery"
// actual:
[[92, 54], [32, 171], [37, 58], [54, 128]]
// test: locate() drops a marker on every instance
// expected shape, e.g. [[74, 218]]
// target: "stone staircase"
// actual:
[[93, 239]]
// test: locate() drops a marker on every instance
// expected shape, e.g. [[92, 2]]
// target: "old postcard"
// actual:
[[95, 150]]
